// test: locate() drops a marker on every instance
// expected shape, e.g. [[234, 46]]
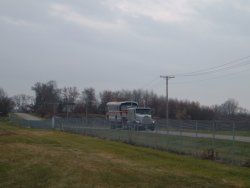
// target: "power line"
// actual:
[[220, 70], [152, 82], [212, 78], [215, 68], [227, 66], [234, 64]]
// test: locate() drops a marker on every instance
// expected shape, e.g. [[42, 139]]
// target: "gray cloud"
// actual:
[[124, 44]]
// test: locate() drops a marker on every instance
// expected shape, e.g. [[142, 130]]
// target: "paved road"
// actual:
[[204, 135], [193, 135], [28, 117], [177, 133]]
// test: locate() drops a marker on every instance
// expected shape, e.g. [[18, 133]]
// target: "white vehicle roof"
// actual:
[[121, 102], [140, 108]]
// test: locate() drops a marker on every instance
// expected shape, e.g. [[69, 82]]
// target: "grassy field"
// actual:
[[226, 150], [36, 158]]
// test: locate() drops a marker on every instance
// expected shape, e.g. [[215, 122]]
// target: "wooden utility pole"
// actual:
[[167, 78]]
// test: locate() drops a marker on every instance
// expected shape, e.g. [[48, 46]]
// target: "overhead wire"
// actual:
[[213, 78], [224, 67], [231, 65], [150, 83]]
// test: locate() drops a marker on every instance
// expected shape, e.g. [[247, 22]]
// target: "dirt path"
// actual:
[[28, 117]]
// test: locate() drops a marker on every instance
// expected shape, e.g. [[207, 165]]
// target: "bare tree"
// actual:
[[105, 96], [230, 107], [89, 98], [69, 96], [47, 96], [6, 103], [23, 103]]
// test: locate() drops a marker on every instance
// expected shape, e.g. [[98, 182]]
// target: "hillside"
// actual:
[[36, 158]]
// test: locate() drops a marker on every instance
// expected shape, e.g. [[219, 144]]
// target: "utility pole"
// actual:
[[67, 106], [167, 78], [54, 113]]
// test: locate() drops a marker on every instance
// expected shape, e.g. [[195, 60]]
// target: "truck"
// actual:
[[117, 113], [140, 118], [128, 115]]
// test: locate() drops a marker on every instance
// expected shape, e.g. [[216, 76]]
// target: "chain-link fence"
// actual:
[[225, 141]]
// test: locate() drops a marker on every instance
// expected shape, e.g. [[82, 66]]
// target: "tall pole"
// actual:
[[53, 118], [54, 112], [67, 109], [167, 78], [86, 111]]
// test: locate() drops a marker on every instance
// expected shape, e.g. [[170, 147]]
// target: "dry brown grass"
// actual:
[[34, 158]]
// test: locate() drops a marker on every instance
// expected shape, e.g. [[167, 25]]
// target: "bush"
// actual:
[[246, 163], [209, 154]]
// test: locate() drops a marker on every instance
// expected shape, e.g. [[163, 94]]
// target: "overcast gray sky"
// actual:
[[127, 44]]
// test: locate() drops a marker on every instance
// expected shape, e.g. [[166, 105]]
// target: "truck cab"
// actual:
[[140, 118]]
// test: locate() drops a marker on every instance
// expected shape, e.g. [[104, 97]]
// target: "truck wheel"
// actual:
[[136, 127], [112, 125]]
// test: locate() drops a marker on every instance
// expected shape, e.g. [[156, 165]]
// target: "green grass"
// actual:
[[226, 150], [36, 158]]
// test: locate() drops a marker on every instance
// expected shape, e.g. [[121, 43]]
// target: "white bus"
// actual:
[[118, 111]]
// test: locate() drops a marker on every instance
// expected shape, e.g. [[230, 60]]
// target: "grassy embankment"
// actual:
[[224, 150], [36, 158]]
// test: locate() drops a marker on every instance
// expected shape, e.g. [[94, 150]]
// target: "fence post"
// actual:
[[213, 133], [196, 128], [180, 128], [62, 129], [167, 126], [53, 122], [233, 141], [233, 131]]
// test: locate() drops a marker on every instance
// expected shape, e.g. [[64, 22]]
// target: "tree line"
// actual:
[[68, 101], [6, 104]]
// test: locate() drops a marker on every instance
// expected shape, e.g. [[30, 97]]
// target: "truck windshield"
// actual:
[[143, 111]]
